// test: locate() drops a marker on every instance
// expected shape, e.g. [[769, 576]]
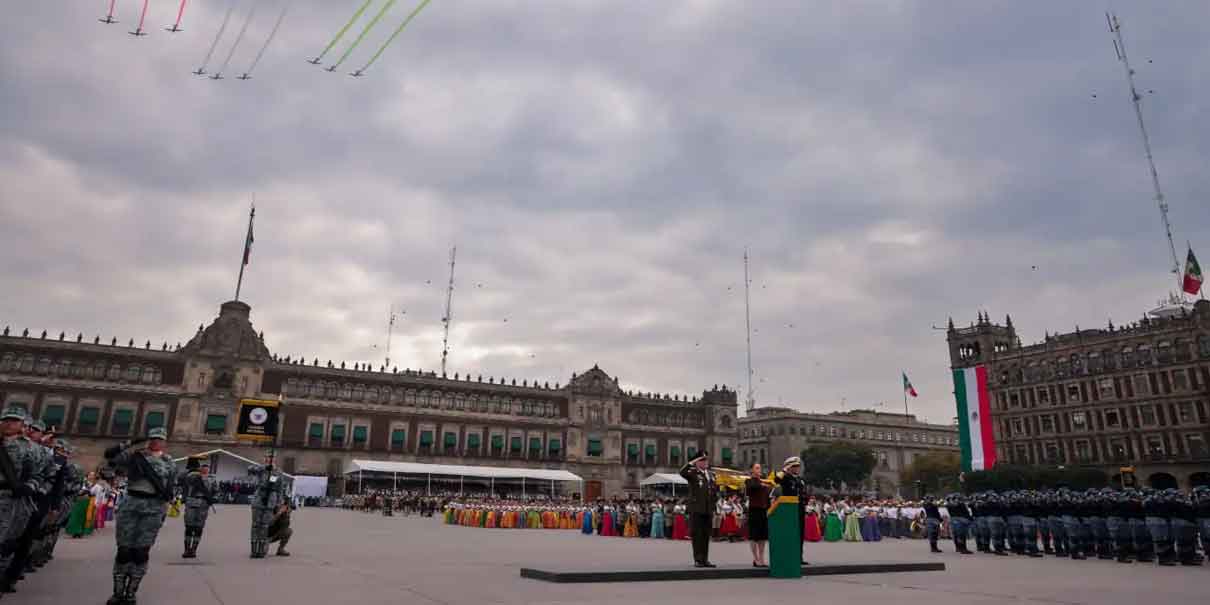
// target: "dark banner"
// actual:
[[258, 419]]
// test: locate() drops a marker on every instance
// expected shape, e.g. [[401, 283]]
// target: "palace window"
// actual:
[[1155, 447], [1180, 380], [154, 420], [1048, 423], [554, 447], [514, 445], [649, 453], [315, 434], [450, 442], [360, 436], [594, 448], [89, 417], [1112, 419], [1073, 392], [53, 415], [338, 435], [1147, 415], [472, 442], [122, 420], [216, 424], [1044, 395], [1083, 451], [1196, 445], [1144, 356], [1079, 421], [1184, 412], [497, 445], [1105, 386]]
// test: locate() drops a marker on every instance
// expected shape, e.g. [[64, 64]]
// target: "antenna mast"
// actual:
[[449, 299], [390, 333], [1119, 47], [750, 402]]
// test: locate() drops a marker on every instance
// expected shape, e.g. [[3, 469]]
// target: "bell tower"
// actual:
[[980, 342]]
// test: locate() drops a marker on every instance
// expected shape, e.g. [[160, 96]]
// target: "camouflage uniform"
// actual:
[[67, 482], [39, 507], [270, 493], [199, 496], [17, 492], [141, 515]]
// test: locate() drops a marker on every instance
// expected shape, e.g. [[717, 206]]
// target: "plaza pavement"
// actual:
[[356, 558]]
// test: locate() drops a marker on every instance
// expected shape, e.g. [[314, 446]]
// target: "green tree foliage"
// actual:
[[1010, 477], [937, 472], [830, 464]]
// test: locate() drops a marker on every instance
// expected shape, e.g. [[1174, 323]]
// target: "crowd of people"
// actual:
[[389, 501]]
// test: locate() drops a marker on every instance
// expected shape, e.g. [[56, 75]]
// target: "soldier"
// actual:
[[960, 521], [66, 484], [279, 529], [1201, 505], [1098, 513], [995, 512], [1144, 548], [1014, 508], [792, 485], [270, 492], [982, 524], [199, 491], [1157, 508], [1054, 522], [20, 484], [38, 504], [932, 522], [1117, 520], [150, 474], [702, 496], [1184, 528]]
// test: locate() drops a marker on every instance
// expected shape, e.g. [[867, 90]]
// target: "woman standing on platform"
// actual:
[[758, 516]]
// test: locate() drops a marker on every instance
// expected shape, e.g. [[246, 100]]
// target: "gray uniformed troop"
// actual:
[[151, 476], [270, 495], [1129, 525], [36, 484], [199, 492]]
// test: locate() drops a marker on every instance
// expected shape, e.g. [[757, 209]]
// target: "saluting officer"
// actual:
[[792, 484], [151, 474], [703, 493]]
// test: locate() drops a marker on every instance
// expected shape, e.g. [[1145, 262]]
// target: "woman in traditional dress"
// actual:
[[865, 520], [78, 517], [728, 527], [586, 526], [811, 531], [100, 495], [657, 520], [852, 524], [872, 519], [680, 524], [607, 523], [833, 526], [630, 527]]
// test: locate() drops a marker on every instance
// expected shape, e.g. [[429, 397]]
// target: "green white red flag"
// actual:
[[1193, 274], [908, 389], [975, 436]]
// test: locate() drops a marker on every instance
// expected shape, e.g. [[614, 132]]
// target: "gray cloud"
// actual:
[[601, 166]]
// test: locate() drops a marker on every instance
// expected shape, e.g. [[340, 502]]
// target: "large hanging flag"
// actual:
[[908, 389], [974, 419], [1193, 274]]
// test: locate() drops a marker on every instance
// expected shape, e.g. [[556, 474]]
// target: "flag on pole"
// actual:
[[1193, 274], [975, 437], [908, 389], [248, 241]]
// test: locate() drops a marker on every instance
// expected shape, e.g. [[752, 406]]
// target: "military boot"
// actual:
[[281, 548], [119, 590], [132, 587]]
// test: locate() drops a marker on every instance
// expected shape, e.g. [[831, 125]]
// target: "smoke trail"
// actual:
[[284, 9], [366, 30], [340, 34], [109, 16], [399, 29], [176, 27], [138, 30], [238, 38], [221, 28]]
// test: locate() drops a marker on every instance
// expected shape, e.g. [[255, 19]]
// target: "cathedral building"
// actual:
[[97, 393]]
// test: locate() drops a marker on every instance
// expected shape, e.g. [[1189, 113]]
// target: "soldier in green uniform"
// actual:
[[702, 496], [270, 493], [150, 474], [18, 482], [199, 490], [39, 506]]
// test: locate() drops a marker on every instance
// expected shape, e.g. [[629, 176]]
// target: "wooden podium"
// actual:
[[785, 538]]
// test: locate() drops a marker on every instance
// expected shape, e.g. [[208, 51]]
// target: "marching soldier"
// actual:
[[702, 496], [20, 484], [38, 506], [199, 491], [270, 493], [150, 474]]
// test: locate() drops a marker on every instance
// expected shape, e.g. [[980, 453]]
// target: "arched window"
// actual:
[[1077, 364], [359, 392], [133, 372]]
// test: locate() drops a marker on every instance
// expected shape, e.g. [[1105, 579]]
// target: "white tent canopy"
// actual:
[[663, 479], [225, 465], [460, 470]]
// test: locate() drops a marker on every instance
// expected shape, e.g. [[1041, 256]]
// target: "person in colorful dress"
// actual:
[[812, 526], [833, 526]]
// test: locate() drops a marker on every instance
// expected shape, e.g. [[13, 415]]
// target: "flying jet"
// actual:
[[173, 28], [199, 72], [108, 20], [217, 76], [138, 32], [314, 61], [243, 77], [356, 74], [333, 68]]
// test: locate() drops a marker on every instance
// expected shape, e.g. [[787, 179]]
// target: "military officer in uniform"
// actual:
[[279, 529], [703, 493], [151, 475], [792, 484], [270, 493], [199, 492], [19, 482], [37, 504]]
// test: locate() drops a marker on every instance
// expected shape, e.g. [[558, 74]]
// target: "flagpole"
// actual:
[[905, 408], [243, 261]]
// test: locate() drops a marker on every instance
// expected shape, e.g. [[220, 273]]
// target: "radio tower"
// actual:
[[750, 402], [449, 315], [390, 331], [1119, 47]]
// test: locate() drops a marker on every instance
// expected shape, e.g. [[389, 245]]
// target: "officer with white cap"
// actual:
[[792, 484]]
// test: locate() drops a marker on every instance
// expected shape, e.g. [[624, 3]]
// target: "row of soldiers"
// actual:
[[388, 503], [1126, 525], [38, 483]]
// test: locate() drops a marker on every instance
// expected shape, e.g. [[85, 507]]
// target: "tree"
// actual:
[[937, 472], [830, 464]]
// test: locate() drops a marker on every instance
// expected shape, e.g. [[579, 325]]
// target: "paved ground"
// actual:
[[346, 557]]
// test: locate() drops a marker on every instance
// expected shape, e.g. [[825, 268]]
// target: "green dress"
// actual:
[[833, 529], [852, 527], [78, 517]]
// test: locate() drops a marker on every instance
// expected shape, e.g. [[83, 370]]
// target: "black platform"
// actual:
[[569, 576]]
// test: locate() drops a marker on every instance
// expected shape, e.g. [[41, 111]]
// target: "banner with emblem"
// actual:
[[258, 419], [974, 419]]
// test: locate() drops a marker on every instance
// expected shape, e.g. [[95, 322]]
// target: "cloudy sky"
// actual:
[[601, 166]]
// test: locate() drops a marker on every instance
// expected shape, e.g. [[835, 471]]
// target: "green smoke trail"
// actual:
[[348, 51], [384, 46], [340, 34]]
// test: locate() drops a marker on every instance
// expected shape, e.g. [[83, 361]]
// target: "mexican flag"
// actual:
[[1193, 274], [908, 389], [974, 419]]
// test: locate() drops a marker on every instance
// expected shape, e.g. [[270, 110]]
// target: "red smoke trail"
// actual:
[[176, 27]]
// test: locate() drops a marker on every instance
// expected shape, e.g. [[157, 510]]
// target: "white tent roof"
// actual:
[[459, 470], [664, 479], [209, 453]]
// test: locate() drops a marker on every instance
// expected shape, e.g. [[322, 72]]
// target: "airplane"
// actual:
[[108, 19], [314, 61], [173, 29], [217, 76], [333, 68], [243, 77], [138, 32], [356, 74], [199, 72]]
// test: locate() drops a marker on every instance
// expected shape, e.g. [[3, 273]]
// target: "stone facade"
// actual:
[[769, 435], [98, 393], [1120, 397]]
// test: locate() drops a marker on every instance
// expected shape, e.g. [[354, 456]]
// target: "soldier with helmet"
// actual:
[[960, 521], [151, 475], [199, 492], [19, 482], [1183, 521], [270, 494], [1201, 510]]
